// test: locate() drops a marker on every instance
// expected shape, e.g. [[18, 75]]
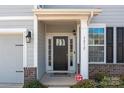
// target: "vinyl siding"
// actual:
[[112, 15], [41, 50], [19, 10], [16, 10]]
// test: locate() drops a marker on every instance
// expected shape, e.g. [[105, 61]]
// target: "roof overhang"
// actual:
[[66, 14]]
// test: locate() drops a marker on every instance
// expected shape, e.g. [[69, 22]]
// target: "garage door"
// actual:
[[11, 58]]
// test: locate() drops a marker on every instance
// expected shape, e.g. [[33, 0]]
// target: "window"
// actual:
[[49, 52], [96, 45], [71, 52], [109, 45]]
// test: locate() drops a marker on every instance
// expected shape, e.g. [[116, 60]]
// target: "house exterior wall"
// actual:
[[16, 10], [21, 11], [111, 16], [41, 50]]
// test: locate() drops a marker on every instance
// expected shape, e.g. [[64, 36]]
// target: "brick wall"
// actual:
[[30, 74], [110, 69]]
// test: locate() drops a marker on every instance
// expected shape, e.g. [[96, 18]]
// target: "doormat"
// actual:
[[60, 75]]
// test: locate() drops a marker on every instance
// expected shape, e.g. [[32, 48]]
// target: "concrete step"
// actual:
[[59, 86]]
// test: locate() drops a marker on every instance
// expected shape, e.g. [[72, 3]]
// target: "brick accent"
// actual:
[[30, 73], [110, 69]]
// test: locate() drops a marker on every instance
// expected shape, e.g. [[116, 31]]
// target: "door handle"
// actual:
[[19, 71]]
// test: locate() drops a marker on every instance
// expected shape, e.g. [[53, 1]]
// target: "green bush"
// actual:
[[85, 84], [104, 83], [122, 79], [99, 76], [34, 84]]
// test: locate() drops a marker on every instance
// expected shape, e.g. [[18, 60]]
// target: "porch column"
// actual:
[[35, 41], [84, 49]]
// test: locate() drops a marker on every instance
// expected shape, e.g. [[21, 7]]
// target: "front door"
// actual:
[[60, 53]]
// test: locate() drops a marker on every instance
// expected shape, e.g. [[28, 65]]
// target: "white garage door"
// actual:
[[11, 58]]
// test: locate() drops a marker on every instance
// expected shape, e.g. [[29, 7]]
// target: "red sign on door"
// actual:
[[78, 77]]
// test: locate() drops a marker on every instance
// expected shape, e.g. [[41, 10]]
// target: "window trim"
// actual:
[[98, 26]]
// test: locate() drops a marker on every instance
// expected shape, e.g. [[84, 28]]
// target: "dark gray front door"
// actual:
[[60, 52]]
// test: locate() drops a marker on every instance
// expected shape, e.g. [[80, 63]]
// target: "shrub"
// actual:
[[122, 79], [99, 76], [34, 84], [85, 84], [104, 83]]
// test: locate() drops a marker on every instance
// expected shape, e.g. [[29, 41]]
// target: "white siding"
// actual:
[[19, 10], [16, 10], [41, 50]]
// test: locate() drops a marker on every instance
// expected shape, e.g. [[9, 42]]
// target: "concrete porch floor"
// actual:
[[53, 80]]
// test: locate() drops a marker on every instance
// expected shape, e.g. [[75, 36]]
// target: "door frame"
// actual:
[[49, 69]]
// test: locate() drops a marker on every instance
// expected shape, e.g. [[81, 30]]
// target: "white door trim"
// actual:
[[50, 36]]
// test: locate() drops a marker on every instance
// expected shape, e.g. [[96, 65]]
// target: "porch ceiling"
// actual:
[[65, 14]]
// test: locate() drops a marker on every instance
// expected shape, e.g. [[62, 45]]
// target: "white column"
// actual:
[[35, 41], [84, 49], [78, 36]]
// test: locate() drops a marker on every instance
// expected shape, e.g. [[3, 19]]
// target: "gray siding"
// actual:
[[19, 10], [41, 50], [16, 10], [22, 24], [112, 15]]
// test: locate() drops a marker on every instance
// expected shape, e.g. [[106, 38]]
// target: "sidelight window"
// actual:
[[71, 52], [49, 52]]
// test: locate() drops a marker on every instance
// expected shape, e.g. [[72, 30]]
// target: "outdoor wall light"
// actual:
[[74, 32], [28, 37]]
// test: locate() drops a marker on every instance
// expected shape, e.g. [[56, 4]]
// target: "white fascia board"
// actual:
[[4, 18]]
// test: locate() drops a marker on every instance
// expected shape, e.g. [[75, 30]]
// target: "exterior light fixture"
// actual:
[[74, 32], [28, 37]]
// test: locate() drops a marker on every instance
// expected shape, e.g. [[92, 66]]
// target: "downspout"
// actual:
[[90, 17]]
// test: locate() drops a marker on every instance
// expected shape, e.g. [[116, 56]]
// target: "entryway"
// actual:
[[60, 53]]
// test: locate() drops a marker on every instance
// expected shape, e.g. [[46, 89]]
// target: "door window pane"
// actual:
[[96, 44], [96, 35], [49, 52], [96, 53], [71, 52]]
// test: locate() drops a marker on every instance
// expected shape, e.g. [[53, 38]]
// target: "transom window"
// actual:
[[96, 44]]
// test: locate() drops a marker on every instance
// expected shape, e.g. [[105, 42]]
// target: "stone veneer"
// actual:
[[110, 69], [30, 74]]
